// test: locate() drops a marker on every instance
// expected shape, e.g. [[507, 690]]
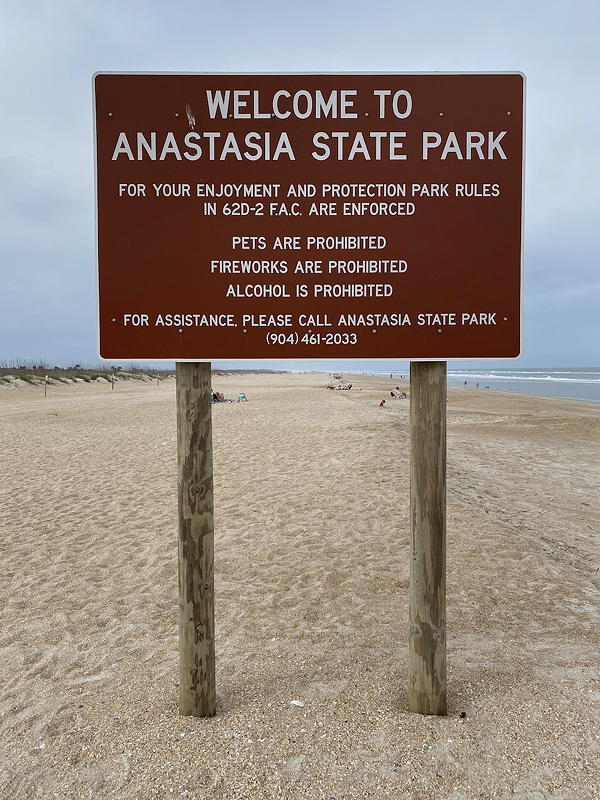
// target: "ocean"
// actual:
[[574, 383], [578, 384]]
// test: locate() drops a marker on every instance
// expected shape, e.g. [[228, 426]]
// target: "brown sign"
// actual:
[[309, 216]]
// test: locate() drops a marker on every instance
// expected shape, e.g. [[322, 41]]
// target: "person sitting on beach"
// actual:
[[242, 398], [382, 404]]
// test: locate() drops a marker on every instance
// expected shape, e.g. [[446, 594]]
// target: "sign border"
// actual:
[[173, 73]]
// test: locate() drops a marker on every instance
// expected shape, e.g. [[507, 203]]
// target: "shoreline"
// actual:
[[169, 377], [460, 392], [516, 384]]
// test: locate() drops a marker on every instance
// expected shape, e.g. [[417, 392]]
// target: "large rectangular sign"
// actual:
[[309, 216]]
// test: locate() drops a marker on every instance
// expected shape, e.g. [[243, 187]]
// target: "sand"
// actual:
[[311, 574]]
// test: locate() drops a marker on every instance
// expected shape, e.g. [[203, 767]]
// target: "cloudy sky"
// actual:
[[49, 51]]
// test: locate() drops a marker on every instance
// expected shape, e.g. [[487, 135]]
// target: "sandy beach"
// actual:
[[311, 580]]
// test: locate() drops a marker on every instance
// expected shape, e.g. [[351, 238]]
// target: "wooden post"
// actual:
[[112, 382], [45, 386], [197, 695], [427, 639]]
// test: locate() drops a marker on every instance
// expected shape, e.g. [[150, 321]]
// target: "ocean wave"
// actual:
[[494, 376]]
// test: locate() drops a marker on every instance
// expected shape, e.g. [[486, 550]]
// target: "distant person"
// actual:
[[242, 398], [465, 384], [477, 385], [382, 404]]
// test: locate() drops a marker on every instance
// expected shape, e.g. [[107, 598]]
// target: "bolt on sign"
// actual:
[[298, 216]]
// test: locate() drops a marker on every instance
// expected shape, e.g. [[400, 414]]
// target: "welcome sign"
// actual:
[[309, 216]]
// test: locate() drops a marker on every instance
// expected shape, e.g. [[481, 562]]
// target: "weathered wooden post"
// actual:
[[45, 386], [197, 694], [427, 638]]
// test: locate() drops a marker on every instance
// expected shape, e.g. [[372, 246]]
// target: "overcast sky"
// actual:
[[49, 51]]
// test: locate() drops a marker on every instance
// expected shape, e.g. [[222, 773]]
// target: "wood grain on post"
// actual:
[[427, 638], [197, 694]]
